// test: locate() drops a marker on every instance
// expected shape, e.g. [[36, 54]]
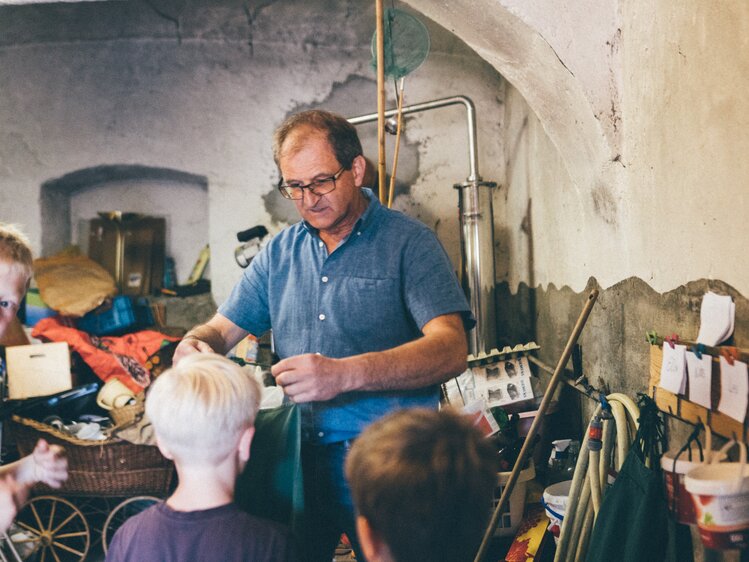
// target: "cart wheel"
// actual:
[[50, 529], [124, 510]]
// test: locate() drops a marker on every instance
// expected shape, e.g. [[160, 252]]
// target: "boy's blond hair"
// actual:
[[15, 249], [200, 408]]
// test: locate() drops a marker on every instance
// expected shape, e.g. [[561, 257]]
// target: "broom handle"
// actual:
[[555, 378], [380, 32]]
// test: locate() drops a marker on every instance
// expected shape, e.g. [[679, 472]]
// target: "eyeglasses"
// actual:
[[318, 187]]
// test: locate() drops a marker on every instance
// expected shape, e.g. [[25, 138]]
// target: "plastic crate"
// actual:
[[117, 319], [35, 308]]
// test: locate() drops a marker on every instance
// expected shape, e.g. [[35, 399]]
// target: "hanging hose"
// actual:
[[591, 472]]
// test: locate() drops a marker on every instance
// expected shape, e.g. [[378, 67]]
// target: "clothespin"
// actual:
[[698, 350], [730, 353], [672, 340], [652, 337]]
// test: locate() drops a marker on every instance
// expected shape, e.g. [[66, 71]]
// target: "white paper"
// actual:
[[700, 378], [716, 318], [504, 383], [734, 389], [673, 368]]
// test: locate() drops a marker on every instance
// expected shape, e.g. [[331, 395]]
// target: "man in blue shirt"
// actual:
[[366, 312]]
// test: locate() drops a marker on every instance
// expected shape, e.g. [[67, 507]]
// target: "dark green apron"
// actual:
[[633, 523], [271, 484]]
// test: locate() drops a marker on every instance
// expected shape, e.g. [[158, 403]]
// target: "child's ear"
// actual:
[[245, 441], [164, 451], [374, 547]]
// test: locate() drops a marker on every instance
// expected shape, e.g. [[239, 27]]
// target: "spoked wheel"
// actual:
[[128, 508], [51, 529]]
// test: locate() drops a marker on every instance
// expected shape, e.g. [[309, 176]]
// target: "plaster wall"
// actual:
[[200, 87], [651, 186]]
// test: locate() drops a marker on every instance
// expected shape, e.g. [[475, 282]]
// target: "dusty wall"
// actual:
[[199, 87]]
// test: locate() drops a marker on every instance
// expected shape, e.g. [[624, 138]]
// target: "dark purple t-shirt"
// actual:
[[226, 533]]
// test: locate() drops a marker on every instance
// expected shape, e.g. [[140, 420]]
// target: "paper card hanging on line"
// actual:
[[700, 378], [717, 316], [734, 389], [673, 368]]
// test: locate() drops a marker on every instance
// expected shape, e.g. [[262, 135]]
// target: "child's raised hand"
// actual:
[[47, 464], [12, 495]]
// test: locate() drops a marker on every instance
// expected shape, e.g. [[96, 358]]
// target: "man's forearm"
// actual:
[[209, 335], [432, 359]]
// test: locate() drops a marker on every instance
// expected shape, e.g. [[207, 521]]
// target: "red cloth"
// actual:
[[123, 357]]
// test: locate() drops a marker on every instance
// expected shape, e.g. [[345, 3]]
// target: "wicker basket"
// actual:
[[99, 468]]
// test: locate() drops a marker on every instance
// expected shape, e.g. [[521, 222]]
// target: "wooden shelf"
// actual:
[[681, 408]]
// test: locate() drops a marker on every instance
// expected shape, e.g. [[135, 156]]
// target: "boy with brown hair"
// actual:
[[203, 414], [47, 463], [422, 483]]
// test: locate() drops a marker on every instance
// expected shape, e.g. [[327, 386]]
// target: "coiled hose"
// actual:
[[591, 473]]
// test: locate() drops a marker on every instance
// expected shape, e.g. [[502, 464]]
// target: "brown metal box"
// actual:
[[132, 248]]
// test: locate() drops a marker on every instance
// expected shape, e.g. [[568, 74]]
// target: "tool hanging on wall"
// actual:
[[405, 46]]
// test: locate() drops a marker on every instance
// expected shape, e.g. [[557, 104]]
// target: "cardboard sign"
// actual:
[[38, 370]]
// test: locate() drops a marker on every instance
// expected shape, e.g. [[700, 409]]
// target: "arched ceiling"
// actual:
[[522, 56]]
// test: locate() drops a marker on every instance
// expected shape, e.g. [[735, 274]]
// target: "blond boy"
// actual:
[[47, 463], [203, 413]]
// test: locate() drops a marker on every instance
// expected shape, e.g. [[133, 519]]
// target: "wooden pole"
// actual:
[[381, 171], [527, 444], [391, 193]]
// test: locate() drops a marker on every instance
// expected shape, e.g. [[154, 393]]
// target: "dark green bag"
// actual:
[[271, 484], [632, 524]]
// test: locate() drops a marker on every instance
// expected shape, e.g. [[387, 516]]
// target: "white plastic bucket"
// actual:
[[680, 502], [721, 500], [510, 519], [554, 500]]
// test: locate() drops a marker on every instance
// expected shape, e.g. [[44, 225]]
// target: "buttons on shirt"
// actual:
[[324, 278], [321, 434], [321, 317], [320, 243]]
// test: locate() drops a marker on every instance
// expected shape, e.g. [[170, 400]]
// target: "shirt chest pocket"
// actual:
[[368, 303]]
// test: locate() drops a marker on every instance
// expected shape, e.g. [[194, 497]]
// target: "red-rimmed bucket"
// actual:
[[721, 500], [675, 466]]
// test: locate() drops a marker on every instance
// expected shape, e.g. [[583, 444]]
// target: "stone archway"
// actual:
[[180, 197]]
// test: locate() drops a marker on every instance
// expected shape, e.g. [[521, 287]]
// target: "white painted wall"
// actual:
[[78, 92], [663, 197]]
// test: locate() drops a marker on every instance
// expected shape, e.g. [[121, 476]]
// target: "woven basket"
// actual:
[[99, 468], [127, 415]]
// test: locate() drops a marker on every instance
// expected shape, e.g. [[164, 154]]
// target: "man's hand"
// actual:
[[47, 464], [188, 346], [310, 377]]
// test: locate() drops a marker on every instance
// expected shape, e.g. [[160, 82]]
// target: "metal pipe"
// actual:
[[477, 228], [473, 159]]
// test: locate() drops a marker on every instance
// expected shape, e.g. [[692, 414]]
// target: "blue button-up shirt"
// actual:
[[376, 291]]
